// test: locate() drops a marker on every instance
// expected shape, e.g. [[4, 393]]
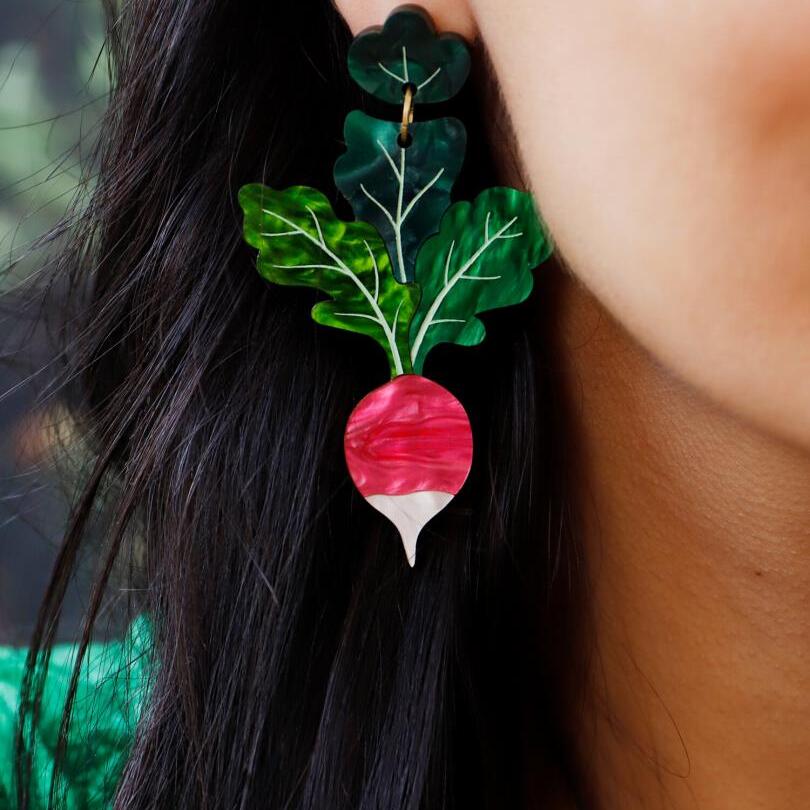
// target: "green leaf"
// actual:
[[406, 50], [402, 192], [481, 259], [302, 243]]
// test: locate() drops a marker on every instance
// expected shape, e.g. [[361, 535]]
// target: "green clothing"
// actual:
[[111, 692]]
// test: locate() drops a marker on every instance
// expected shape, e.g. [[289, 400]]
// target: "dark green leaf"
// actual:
[[406, 50], [481, 259], [402, 192]]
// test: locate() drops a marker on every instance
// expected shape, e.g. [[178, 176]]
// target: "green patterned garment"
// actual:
[[111, 692]]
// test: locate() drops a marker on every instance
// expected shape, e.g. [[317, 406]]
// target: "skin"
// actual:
[[668, 146], [695, 529]]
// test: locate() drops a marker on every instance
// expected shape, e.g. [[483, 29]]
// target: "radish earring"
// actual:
[[414, 270]]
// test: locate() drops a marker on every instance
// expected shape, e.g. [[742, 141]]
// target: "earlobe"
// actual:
[[447, 15]]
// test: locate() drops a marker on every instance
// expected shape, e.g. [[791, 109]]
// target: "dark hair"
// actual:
[[302, 663]]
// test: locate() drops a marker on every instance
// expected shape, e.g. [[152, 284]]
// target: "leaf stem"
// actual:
[[398, 227], [397, 220]]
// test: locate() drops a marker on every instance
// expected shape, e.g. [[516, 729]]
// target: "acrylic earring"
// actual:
[[414, 270]]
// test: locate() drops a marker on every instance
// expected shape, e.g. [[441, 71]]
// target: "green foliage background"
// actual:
[[50, 101], [51, 98]]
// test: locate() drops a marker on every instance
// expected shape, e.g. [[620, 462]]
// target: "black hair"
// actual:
[[301, 662]]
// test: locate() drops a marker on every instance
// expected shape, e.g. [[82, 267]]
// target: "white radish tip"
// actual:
[[410, 513]]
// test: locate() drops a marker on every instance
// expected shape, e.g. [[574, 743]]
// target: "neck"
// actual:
[[695, 531]]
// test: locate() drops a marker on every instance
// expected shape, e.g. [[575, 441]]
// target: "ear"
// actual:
[[448, 15]]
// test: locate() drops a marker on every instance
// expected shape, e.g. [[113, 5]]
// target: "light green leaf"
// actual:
[[481, 259], [302, 243]]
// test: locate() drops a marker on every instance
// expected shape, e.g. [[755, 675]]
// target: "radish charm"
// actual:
[[413, 270], [408, 447]]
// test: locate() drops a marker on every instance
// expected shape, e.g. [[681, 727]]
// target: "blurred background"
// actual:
[[52, 91]]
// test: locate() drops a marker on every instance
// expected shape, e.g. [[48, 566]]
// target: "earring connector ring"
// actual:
[[407, 112]]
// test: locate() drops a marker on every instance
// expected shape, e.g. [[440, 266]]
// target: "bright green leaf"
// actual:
[[302, 243]]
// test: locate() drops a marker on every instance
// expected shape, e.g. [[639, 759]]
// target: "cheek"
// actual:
[[669, 147], [750, 59]]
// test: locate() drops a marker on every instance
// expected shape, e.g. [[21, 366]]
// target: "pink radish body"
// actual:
[[408, 447]]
